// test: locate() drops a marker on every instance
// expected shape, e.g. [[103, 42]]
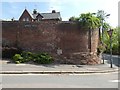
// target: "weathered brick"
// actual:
[[48, 36]]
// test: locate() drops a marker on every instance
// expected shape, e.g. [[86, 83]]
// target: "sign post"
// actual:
[[110, 35]]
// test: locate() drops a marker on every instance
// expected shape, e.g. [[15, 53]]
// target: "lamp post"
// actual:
[[103, 31], [103, 22], [110, 35]]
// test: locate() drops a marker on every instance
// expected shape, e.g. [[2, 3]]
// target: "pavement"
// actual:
[[10, 68]]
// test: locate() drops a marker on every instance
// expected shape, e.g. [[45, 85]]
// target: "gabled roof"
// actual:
[[55, 15], [39, 15], [25, 12]]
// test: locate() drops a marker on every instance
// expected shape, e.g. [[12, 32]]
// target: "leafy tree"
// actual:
[[115, 41], [89, 20], [102, 15], [106, 26], [73, 18]]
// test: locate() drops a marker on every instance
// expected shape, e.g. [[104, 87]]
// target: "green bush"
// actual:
[[18, 58], [43, 58], [28, 56], [40, 58]]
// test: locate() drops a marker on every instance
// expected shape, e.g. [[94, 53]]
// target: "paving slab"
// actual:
[[12, 68]]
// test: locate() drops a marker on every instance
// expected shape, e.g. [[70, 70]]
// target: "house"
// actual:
[[36, 16], [25, 16]]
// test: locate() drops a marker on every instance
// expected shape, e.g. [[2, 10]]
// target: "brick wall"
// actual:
[[9, 32], [49, 36]]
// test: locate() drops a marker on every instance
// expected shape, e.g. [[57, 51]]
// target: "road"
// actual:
[[109, 80], [115, 59]]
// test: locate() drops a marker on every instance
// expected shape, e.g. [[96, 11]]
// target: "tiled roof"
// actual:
[[34, 16], [51, 15]]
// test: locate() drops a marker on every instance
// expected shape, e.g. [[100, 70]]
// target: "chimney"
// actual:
[[53, 11], [35, 11]]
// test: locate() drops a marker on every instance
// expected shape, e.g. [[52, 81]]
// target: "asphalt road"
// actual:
[[115, 59], [109, 80]]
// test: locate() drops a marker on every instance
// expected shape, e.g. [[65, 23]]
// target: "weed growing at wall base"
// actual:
[[41, 58], [18, 59]]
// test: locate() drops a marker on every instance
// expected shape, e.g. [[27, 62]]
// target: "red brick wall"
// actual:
[[9, 31], [48, 36], [94, 40], [72, 39]]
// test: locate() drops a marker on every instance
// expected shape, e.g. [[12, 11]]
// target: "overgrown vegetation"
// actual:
[[87, 20], [20, 56], [18, 59], [115, 41], [101, 48], [98, 20], [40, 58]]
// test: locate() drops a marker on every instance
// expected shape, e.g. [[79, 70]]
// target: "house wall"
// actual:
[[50, 36], [25, 16]]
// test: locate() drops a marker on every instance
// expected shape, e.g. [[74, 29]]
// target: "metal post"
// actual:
[[103, 58], [103, 34], [102, 41], [102, 29], [111, 52], [110, 35]]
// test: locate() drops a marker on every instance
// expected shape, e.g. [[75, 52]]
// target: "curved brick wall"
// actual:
[[49, 36]]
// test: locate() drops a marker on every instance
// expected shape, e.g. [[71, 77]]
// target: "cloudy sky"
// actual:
[[67, 8]]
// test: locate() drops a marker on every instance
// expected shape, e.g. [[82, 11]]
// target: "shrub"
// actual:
[[43, 58], [27, 56], [18, 58]]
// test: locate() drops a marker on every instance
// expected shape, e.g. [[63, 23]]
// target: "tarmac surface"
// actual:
[[7, 67]]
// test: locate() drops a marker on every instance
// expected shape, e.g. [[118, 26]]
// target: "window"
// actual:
[[27, 19], [39, 19], [23, 19]]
